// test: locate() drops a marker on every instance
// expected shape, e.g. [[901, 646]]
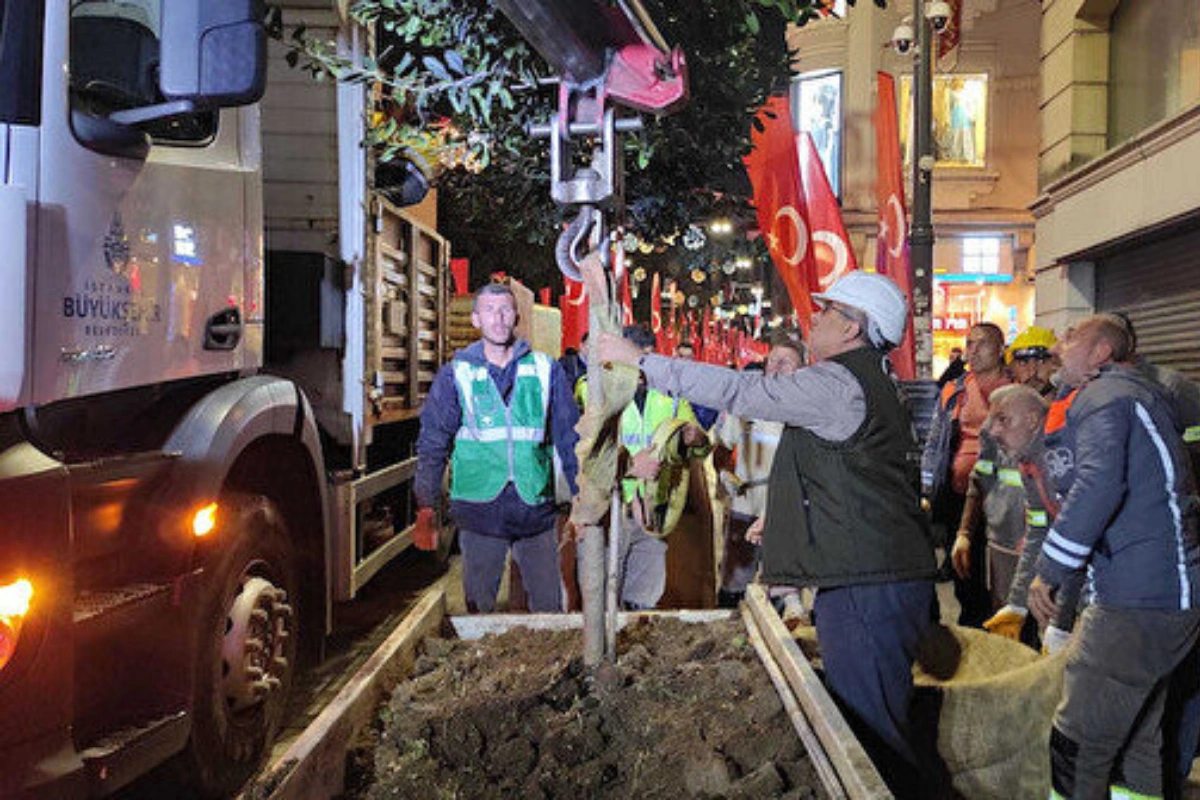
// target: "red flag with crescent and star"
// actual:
[[774, 170], [574, 307], [626, 300], [829, 243], [656, 318], [891, 254], [949, 38]]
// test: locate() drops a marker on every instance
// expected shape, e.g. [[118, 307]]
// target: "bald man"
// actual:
[[1125, 519]]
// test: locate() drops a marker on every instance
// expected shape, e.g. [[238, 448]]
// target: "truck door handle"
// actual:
[[223, 330]]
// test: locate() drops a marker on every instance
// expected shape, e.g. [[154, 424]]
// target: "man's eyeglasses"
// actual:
[[850, 315]]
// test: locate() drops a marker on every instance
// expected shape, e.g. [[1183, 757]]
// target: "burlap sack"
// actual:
[[993, 723]]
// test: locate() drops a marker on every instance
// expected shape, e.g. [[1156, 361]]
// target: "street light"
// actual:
[[918, 34]]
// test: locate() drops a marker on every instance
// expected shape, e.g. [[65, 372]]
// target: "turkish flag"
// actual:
[[774, 171], [891, 254], [830, 246], [626, 300], [949, 38], [656, 318], [460, 271], [670, 324], [544, 295], [574, 307]]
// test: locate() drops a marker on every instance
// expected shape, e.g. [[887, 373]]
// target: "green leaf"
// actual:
[[435, 68], [752, 23], [455, 62]]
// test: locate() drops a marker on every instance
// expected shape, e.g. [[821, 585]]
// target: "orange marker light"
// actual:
[[15, 597], [205, 520], [14, 605]]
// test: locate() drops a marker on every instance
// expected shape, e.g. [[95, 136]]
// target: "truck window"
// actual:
[[114, 66], [20, 61]]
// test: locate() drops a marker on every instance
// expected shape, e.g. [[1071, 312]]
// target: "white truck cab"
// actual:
[[175, 524]]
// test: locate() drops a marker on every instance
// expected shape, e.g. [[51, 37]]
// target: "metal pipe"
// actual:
[[543, 130], [645, 27]]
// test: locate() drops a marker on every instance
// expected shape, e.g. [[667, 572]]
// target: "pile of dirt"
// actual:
[[687, 711]]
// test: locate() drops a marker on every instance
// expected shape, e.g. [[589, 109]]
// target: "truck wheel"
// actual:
[[246, 650]]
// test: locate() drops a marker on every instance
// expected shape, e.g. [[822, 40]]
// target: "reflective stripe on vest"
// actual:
[[984, 467], [1191, 434], [1009, 476], [499, 443], [1036, 518]]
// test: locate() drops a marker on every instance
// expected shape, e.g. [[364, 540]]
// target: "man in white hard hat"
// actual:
[[843, 511]]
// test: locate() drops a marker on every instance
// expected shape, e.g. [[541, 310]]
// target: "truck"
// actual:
[[218, 331], [217, 338]]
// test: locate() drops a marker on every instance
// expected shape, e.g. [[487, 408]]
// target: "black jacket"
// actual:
[[842, 513]]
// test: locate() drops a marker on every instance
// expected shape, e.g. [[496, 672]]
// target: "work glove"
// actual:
[[425, 530], [1007, 622], [1054, 639]]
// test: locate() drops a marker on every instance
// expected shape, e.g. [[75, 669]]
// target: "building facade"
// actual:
[[1118, 216], [985, 105]]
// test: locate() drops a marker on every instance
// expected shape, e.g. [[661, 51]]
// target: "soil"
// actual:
[[687, 711]]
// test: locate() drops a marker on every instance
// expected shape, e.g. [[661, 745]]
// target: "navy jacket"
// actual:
[[507, 516], [1128, 515]]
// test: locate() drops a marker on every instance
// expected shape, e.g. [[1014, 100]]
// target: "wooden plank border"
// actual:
[[825, 771], [315, 765], [858, 775]]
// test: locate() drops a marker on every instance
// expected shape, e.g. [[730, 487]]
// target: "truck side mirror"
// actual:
[[214, 52]]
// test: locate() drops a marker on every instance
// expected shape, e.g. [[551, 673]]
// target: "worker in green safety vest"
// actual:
[[499, 413], [660, 434]]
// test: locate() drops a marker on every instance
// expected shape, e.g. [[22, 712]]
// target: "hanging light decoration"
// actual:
[[639, 274], [694, 238], [699, 275], [630, 242]]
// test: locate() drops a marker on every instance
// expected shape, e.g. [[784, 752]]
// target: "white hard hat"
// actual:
[[877, 297]]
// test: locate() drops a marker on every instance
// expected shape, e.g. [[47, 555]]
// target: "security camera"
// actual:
[[902, 38], [938, 13]]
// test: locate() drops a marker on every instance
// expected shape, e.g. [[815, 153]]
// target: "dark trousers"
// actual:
[[974, 600], [483, 560], [869, 636], [1107, 730]]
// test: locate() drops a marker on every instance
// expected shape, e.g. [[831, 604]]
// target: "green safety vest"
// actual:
[[497, 443], [638, 427]]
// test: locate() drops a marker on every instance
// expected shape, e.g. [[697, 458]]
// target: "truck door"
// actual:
[[143, 237]]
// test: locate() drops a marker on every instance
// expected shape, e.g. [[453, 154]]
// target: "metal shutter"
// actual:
[[1158, 285]]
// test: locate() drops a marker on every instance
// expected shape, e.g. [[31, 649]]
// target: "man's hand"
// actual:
[[425, 531], [644, 465], [755, 531], [960, 555], [617, 349], [1041, 601]]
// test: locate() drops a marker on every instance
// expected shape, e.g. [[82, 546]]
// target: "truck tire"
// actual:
[[246, 648]]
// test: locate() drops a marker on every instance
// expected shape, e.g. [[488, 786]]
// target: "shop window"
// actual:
[[817, 107], [960, 118], [114, 66], [1154, 64], [980, 256]]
